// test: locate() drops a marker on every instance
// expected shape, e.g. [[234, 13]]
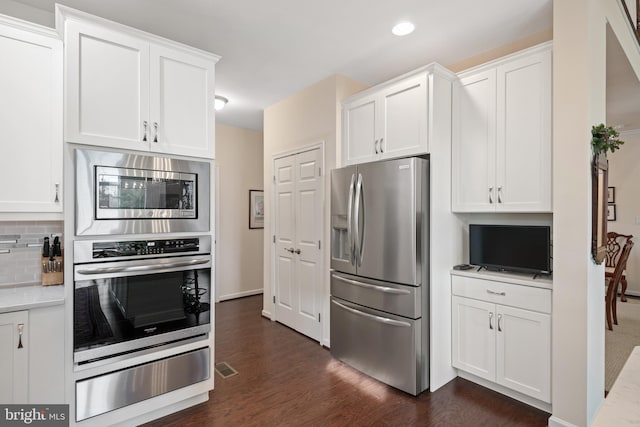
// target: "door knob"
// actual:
[[290, 250], [298, 251]]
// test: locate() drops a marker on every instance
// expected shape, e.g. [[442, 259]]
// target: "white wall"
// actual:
[[27, 13], [624, 175], [239, 250], [579, 82], [305, 118]]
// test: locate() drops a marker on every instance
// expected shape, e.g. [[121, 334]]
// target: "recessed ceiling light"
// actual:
[[403, 28], [219, 102]]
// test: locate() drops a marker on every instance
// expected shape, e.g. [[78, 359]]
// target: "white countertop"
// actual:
[[16, 298], [525, 279], [622, 405]]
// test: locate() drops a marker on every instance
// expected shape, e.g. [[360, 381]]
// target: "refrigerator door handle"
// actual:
[[385, 289], [359, 234], [352, 242]]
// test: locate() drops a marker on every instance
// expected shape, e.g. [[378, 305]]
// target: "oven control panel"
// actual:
[[132, 248]]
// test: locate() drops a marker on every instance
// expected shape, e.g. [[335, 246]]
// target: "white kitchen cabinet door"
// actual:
[[46, 355], [524, 351], [30, 121], [14, 357], [473, 339], [523, 174], [107, 87], [404, 121], [473, 143], [181, 103], [360, 135]]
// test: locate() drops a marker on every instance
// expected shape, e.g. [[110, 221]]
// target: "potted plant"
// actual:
[[603, 139]]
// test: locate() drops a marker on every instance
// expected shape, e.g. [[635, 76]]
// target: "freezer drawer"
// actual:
[[383, 346], [392, 298]]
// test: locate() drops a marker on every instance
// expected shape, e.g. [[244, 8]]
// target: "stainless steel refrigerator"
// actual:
[[380, 270]]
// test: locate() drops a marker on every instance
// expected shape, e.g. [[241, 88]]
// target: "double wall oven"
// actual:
[[142, 266]]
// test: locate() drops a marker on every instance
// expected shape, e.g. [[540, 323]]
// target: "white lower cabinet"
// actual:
[[14, 356], [504, 338], [32, 356]]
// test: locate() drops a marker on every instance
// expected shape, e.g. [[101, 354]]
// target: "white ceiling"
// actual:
[[272, 49]]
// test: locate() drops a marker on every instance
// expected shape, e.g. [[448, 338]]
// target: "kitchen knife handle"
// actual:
[[146, 125], [57, 199]]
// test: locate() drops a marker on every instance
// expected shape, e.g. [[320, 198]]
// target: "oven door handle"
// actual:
[[153, 267]]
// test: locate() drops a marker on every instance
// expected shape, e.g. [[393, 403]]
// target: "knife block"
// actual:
[[53, 277]]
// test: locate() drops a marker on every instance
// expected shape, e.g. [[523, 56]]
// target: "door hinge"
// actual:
[[274, 179], [319, 171], [274, 238], [318, 317], [274, 299], [319, 245]]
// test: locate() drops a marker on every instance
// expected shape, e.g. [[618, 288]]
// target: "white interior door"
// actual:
[[298, 216]]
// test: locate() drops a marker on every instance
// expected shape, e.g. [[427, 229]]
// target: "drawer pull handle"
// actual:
[[373, 317], [384, 289], [20, 330], [502, 294], [499, 322], [490, 320]]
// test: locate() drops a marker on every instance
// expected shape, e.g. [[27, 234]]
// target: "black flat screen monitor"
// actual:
[[524, 248]]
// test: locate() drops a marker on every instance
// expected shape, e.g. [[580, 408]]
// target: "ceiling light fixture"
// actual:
[[219, 102], [403, 28]]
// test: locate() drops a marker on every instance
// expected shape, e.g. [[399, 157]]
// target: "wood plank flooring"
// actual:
[[286, 379]]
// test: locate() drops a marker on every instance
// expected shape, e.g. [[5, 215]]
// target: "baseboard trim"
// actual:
[[240, 294], [557, 422], [632, 293], [506, 391], [267, 314]]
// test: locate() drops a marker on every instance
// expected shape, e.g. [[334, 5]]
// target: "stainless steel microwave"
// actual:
[[126, 193]]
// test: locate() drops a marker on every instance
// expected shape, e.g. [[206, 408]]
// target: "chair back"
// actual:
[[615, 244], [621, 265]]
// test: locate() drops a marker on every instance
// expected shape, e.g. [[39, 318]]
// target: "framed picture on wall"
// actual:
[[256, 209], [611, 194], [611, 211]]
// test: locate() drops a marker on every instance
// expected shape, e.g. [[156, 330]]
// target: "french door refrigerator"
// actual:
[[379, 270]]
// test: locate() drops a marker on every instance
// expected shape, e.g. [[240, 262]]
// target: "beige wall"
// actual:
[[579, 83], [239, 249], [624, 175], [308, 117]]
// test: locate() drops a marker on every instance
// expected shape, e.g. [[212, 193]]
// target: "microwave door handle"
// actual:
[[133, 268], [352, 256]]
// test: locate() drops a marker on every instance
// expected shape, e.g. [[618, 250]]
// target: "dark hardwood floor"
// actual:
[[287, 379]]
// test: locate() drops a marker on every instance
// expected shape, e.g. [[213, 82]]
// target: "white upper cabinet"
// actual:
[[132, 90], [501, 135], [392, 119], [30, 118]]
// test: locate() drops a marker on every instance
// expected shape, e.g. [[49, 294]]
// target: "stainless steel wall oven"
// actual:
[[127, 193], [131, 295]]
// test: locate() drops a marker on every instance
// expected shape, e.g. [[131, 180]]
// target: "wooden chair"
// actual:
[[613, 282], [615, 243]]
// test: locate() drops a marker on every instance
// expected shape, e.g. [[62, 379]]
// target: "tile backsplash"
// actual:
[[21, 249]]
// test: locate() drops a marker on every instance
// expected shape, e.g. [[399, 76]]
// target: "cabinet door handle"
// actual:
[[499, 322], [502, 294], [57, 199], [20, 330], [490, 195], [155, 128], [381, 141], [145, 126], [375, 145], [499, 194], [490, 320]]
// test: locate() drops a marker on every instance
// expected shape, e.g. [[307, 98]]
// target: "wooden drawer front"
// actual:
[[527, 297]]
